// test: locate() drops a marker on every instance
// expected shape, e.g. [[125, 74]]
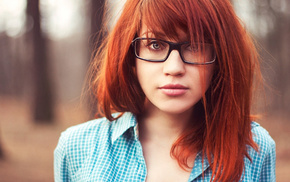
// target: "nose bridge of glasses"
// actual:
[[175, 46]]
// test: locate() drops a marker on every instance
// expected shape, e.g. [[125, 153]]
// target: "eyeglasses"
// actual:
[[155, 50]]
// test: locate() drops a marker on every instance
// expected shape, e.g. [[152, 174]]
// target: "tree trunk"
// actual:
[[1, 152], [97, 12], [43, 98], [1, 149]]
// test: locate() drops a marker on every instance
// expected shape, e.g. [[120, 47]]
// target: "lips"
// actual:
[[174, 89]]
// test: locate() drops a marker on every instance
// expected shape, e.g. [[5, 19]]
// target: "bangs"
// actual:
[[165, 18]]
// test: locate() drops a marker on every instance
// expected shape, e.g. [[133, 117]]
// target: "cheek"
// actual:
[[143, 73], [139, 71], [146, 71]]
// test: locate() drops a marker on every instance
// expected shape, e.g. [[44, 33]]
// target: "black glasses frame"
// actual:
[[172, 46]]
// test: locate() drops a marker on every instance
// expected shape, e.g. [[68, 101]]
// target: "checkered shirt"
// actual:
[[104, 151]]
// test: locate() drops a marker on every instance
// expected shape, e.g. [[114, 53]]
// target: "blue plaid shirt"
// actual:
[[103, 151]]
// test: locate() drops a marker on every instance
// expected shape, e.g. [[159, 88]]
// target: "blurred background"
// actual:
[[45, 50]]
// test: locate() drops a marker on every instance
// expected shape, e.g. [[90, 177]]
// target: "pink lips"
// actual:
[[173, 89]]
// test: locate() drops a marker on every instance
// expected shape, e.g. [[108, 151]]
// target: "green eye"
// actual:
[[155, 45]]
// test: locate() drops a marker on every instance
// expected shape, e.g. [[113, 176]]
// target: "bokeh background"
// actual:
[[45, 50]]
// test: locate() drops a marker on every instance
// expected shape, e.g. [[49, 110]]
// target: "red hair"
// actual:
[[223, 131]]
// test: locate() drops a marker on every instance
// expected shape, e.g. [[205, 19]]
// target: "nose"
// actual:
[[174, 65]]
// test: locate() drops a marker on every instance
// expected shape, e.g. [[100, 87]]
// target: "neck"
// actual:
[[155, 125]]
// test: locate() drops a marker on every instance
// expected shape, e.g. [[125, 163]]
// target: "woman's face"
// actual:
[[172, 86]]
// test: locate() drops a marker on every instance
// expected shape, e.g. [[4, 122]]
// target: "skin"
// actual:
[[167, 112]]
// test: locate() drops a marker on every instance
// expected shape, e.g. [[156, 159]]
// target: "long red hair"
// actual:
[[223, 132]]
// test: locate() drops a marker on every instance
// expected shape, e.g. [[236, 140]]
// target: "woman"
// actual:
[[175, 81]]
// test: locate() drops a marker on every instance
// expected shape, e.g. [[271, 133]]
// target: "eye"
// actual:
[[155, 45]]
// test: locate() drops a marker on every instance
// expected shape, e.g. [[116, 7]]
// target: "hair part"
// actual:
[[223, 131]]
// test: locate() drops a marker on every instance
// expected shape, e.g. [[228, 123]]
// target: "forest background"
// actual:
[[45, 50]]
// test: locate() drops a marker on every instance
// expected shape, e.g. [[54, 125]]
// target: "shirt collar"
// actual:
[[200, 165], [128, 120], [122, 124]]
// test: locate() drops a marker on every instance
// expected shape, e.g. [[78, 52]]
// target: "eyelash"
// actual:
[[150, 44]]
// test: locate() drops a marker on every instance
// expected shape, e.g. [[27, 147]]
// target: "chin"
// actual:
[[175, 110], [171, 107]]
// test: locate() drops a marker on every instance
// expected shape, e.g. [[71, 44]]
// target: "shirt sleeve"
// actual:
[[61, 171], [268, 171]]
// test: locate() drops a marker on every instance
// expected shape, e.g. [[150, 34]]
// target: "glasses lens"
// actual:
[[198, 53], [151, 49]]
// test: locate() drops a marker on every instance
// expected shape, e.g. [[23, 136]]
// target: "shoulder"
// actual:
[[90, 135], [81, 145], [99, 130], [262, 138], [262, 165], [86, 131], [76, 144], [77, 141]]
